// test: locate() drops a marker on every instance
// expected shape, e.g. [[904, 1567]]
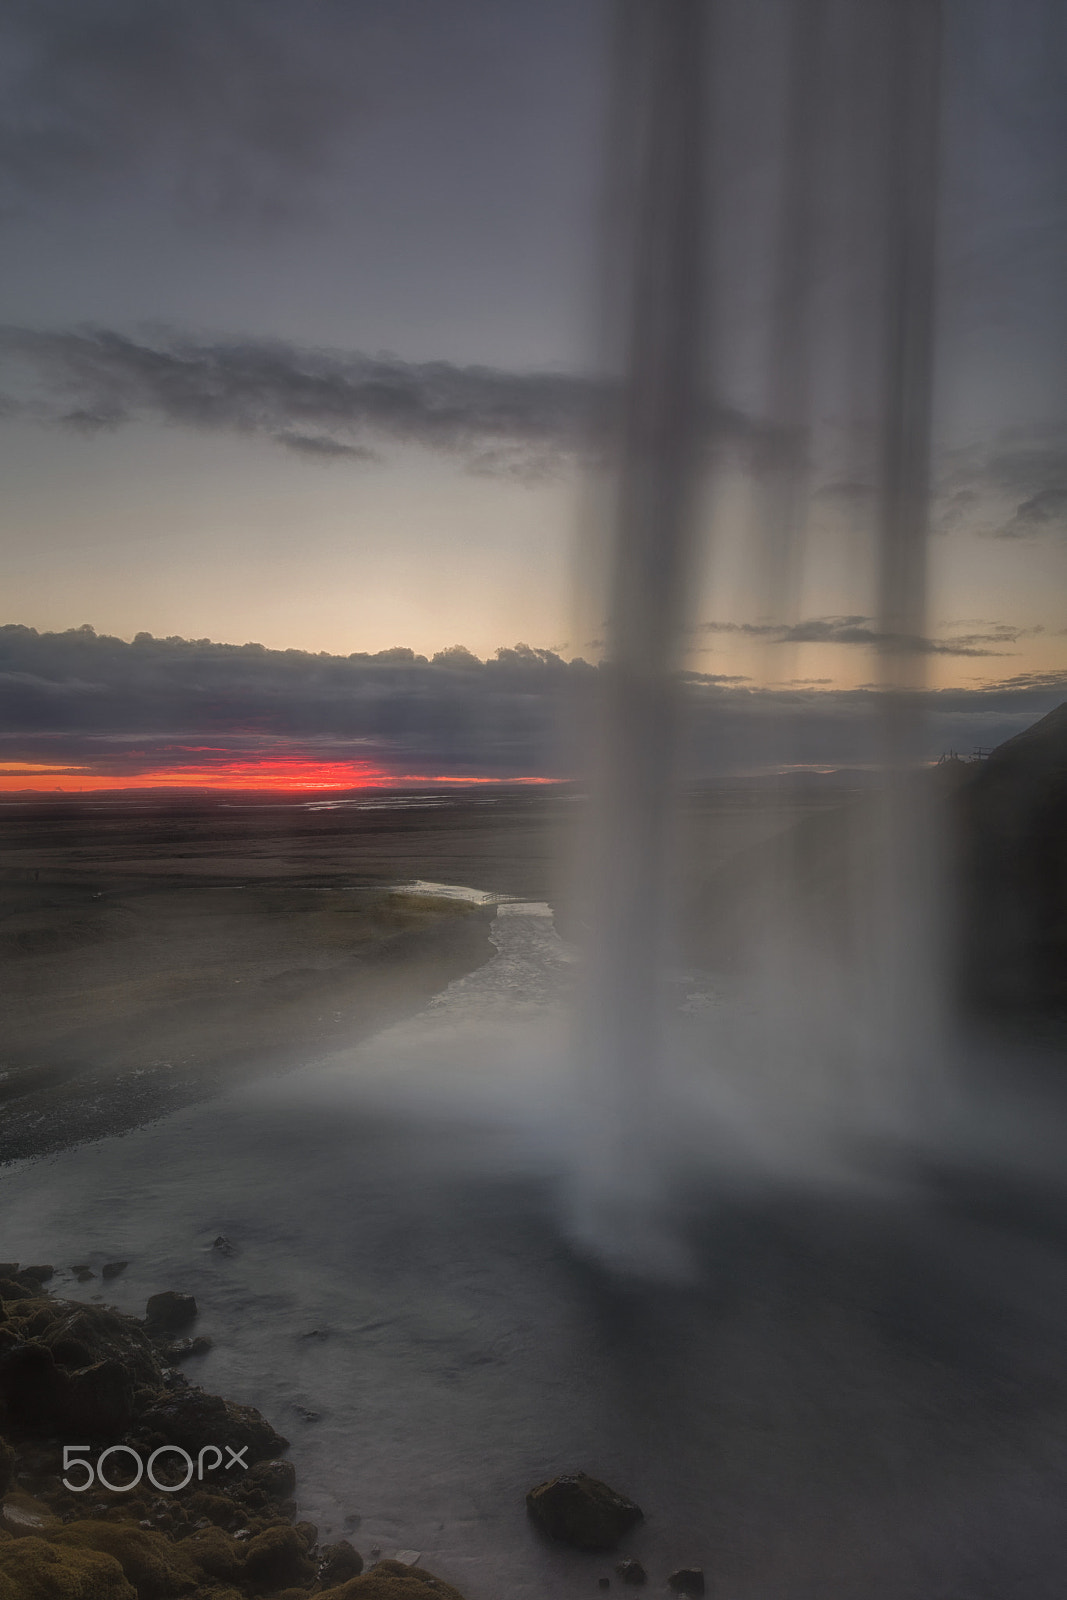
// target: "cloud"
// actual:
[[1047, 508], [1012, 488], [230, 107], [78, 698], [323, 404], [857, 630]]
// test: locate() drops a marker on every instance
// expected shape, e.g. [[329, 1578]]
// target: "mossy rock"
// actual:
[[22, 1516], [579, 1510], [157, 1568], [392, 1580], [105, 1335], [276, 1559], [193, 1419], [32, 1569], [214, 1554]]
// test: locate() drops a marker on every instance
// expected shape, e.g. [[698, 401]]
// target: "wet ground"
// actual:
[[858, 1390]]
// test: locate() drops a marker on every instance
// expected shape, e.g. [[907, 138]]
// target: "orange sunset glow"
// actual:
[[270, 774]]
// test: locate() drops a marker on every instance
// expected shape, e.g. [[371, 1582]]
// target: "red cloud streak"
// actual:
[[280, 774]]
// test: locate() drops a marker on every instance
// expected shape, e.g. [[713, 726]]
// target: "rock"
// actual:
[[81, 1266], [184, 1348], [21, 1516], [102, 1335], [687, 1580], [71, 1353], [603, 1583], [155, 1567], [168, 1312], [11, 1289], [309, 1533], [33, 1568], [582, 1511], [277, 1479], [99, 1400], [391, 1580], [32, 1387], [7, 1467], [339, 1563], [215, 1554], [191, 1418], [631, 1571], [8, 1269], [276, 1558], [35, 1276], [83, 1277], [111, 1269], [223, 1246]]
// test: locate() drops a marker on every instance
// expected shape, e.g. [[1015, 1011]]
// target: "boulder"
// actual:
[[33, 1277], [579, 1510], [32, 1387], [392, 1580], [99, 1400], [339, 1563], [169, 1312], [214, 1554], [631, 1571], [184, 1348], [277, 1558], [155, 1567], [31, 1569], [687, 1580], [193, 1419], [22, 1516], [277, 1479], [80, 1335], [111, 1269]]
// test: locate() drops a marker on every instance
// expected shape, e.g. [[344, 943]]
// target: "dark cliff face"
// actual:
[[996, 833], [1013, 871]]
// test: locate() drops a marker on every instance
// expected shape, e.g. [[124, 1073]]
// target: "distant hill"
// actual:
[[1013, 869]]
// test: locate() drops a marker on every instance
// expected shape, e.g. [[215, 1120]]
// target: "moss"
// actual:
[[154, 1566], [392, 1580], [277, 1558], [22, 1515], [31, 1569], [214, 1554]]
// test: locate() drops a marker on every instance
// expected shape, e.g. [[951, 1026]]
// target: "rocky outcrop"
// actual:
[[687, 1580], [31, 1569], [194, 1420], [579, 1510], [631, 1571], [338, 1563], [277, 1559], [392, 1580], [105, 1378], [170, 1312]]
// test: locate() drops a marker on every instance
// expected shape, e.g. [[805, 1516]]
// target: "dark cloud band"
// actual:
[[323, 404], [82, 698]]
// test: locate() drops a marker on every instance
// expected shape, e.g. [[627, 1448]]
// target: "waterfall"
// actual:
[[771, 261]]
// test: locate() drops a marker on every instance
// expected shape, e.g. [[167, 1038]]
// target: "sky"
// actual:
[[302, 345]]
